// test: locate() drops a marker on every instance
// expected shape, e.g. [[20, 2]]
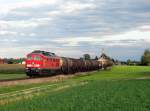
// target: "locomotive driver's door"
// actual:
[[44, 62]]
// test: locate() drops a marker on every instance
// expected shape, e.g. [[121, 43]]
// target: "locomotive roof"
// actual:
[[44, 53]]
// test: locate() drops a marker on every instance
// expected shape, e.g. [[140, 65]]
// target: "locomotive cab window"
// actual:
[[29, 57], [37, 58]]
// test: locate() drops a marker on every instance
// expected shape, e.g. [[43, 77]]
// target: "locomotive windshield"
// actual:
[[37, 58], [33, 58], [29, 57]]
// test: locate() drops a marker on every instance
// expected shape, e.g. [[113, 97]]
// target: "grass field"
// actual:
[[124, 88], [11, 66], [119, 72], [11, 71]]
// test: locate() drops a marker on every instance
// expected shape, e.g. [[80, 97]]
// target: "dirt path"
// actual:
[[35, 80], [41, 79]]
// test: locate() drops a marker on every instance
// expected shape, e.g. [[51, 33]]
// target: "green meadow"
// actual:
[[123, 88]]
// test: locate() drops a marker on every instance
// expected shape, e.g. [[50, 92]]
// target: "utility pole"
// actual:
[[103, 50], [102, 62]]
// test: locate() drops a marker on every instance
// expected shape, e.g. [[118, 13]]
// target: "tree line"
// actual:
[[13, 60], [88, 57], [145, 59]]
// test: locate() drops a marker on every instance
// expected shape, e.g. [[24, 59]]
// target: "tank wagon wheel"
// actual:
[[64, 70]]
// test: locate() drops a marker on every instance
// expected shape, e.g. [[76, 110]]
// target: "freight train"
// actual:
[[46, 63]]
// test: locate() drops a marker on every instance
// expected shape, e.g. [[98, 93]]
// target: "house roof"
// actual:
[[104, 56]]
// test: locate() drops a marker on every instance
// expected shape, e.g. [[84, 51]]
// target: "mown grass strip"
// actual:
[[28, 93]]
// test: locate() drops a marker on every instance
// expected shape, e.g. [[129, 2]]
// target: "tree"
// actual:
[[86, 56], [142, 60], [129, 62], [113, 60], [81, 58], [10, 61], [145, 59], [96, 58]]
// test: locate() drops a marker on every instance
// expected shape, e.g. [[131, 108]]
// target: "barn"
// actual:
[[1, 61]]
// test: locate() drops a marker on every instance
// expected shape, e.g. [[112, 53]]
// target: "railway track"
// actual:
[[24, 78], [43, 79]]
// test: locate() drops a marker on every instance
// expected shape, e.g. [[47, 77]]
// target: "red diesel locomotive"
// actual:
[[47, 63]]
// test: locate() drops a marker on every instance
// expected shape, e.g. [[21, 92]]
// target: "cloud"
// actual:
[[23, 4], [71, 7], [5, 33], [127, 38], [71, 27], [32, 23]]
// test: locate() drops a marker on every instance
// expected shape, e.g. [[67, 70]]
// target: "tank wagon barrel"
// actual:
[[70, 65]]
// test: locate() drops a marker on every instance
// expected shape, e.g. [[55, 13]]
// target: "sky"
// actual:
[[72, 28]]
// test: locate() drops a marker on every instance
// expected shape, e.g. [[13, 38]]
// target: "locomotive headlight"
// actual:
[[37, 65], [29, 65]]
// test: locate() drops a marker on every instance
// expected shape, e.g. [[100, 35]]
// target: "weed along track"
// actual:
[[35, 91]]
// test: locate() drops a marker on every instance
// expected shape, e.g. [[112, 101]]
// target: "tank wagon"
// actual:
[[46, 63]]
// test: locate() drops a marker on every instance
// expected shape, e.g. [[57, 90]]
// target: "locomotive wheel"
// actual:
[[64, 71], [29, 74]]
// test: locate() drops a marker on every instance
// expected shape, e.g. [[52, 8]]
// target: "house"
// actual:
[[104, 61]]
